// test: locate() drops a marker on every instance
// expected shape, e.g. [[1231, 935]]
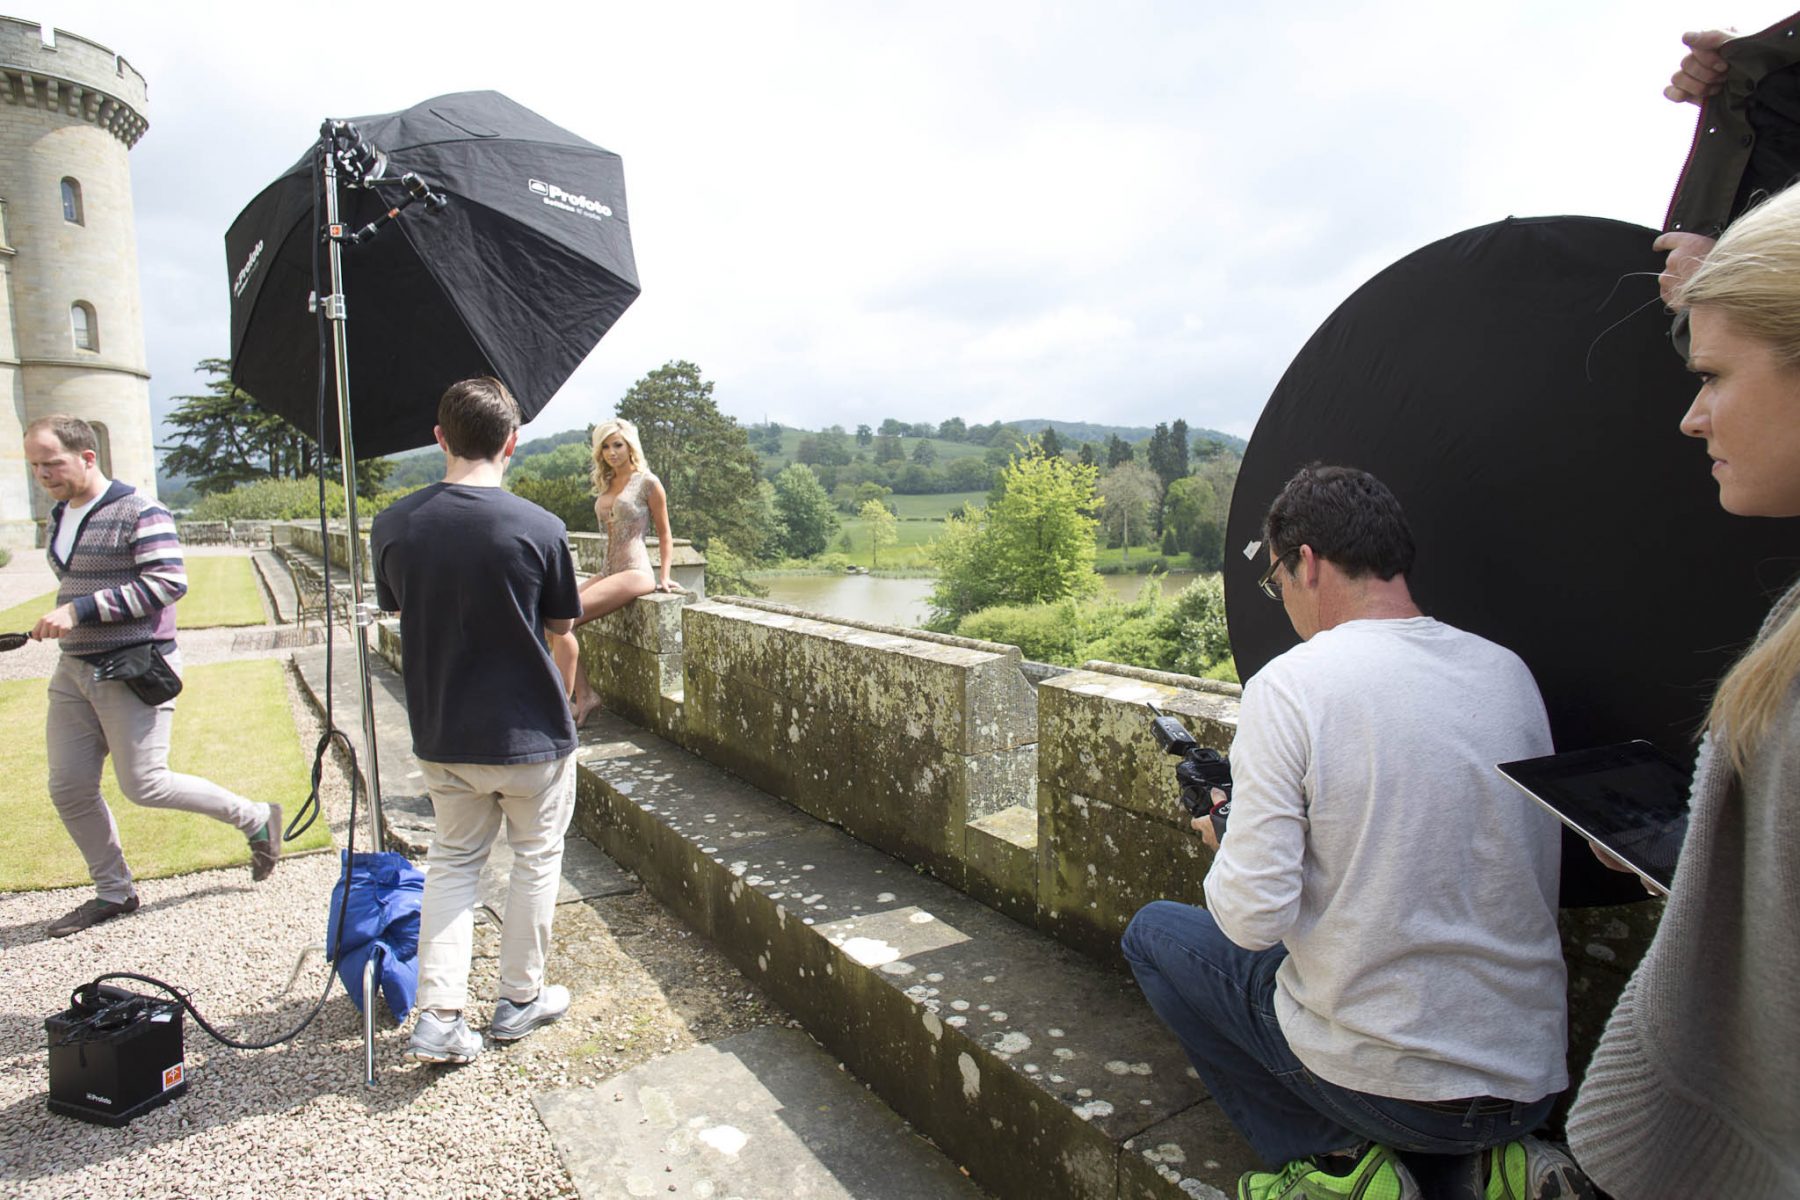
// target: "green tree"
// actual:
[[702, 456], [1088, 457], [1130, 492], [803, 513], [925, 454], [1034, 543], [890, 427], [223, 439], [571, 460], [1050, 444], [884, 530], [1118, 450], [1168, 460], [569, 497], [727, 574], [888, 447], [1193, 514], [864, 435], [953, 430]]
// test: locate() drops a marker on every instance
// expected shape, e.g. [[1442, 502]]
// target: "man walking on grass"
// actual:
[[118, 563], [480, 579]]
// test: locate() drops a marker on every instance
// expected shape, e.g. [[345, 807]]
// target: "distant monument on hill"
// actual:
[[71, 321]]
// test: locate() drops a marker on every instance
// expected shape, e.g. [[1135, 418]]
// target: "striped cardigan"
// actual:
[[123, 575]]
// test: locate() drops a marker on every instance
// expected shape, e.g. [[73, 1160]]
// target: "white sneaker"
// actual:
[[513, 1021], [435, 1040]]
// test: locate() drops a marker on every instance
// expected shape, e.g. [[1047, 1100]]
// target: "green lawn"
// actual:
[[232, 725], [915, 537], [1112, 559], [936, 506], [221, 591]]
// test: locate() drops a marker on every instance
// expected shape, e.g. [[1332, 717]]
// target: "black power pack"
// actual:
[[114, 1055]]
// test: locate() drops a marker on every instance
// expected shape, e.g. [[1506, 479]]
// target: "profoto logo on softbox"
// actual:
[[243, 275], [556, 197]]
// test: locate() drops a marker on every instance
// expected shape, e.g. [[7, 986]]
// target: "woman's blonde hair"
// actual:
[[1752, 279], [603, 433]]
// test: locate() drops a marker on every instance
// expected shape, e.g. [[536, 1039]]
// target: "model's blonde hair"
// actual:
[[603, 433], [1752, 279]]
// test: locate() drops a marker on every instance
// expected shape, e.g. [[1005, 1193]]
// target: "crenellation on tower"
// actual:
[[71, 317]]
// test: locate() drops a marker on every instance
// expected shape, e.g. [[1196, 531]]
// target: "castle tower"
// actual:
[[71, 322]]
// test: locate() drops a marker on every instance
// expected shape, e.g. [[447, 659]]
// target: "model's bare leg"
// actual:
[[600, 595]]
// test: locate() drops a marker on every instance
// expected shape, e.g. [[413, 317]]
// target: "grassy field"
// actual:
[[232, 726], [221, 591], [1110, 561], [934, 507], [911, 552], [790, 446]]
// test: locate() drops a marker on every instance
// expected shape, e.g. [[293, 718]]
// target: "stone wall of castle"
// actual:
[[69, 111]]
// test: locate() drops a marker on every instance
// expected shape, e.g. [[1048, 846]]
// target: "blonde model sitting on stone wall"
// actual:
[[628, 498]]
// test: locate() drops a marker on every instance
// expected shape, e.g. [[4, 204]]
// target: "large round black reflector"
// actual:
[[1515, 386]]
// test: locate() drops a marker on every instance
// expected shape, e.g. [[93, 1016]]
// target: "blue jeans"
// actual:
[[1219, 999]]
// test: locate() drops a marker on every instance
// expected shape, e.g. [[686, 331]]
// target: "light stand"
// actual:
[[363, 614], [343, 151]]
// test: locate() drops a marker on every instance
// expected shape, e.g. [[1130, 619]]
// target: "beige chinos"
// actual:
[[536, 801]]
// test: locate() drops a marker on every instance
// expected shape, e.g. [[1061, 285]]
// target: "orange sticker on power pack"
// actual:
[[171, 1076]]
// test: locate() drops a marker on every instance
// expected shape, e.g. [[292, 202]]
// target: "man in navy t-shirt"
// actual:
[[481, 578]]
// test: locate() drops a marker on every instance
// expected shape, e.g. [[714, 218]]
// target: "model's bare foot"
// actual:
[[583, 708]]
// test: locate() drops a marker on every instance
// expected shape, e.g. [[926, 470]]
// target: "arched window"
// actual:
[[103, 449], [71, 197], [84, 325]]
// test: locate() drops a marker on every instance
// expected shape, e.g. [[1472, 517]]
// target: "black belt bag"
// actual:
[[142, 668]]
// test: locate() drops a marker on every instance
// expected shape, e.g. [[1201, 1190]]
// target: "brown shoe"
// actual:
[[90, 914], [265, 850]]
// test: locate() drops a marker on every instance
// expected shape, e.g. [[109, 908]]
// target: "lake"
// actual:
[[905, 602]]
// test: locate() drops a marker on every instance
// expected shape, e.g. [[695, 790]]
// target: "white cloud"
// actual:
[[849, 210]]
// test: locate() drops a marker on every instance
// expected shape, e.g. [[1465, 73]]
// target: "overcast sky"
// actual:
[[1119, 212]]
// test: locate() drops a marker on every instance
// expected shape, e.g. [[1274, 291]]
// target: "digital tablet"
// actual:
[[1631, 798]]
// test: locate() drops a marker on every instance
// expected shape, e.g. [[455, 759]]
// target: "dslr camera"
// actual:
[[1200, 771]]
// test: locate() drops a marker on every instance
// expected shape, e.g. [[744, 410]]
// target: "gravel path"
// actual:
[[297, 1120]]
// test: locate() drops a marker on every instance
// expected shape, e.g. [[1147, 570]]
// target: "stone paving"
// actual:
[[297, 1120]]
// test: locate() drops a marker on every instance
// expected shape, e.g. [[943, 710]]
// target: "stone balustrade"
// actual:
[[689, 569], [304, 537], [1050, 802]]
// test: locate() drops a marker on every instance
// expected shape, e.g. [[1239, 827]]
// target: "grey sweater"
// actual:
[[1695, 1087]]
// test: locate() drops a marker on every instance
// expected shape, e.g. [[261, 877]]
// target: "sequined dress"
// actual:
[[625, 519]]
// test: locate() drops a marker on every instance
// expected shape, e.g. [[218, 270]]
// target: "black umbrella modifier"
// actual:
[[518, 275], [1515, 386]]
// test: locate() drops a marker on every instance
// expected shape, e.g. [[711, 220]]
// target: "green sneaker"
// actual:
[[1532, 1170], [1378, 1175]]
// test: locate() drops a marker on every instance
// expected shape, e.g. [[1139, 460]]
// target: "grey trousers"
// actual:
[[89, 719]]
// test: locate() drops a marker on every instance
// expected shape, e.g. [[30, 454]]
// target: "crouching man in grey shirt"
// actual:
[[1377, 967]]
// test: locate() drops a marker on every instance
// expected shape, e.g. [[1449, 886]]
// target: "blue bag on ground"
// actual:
[[385, 894]]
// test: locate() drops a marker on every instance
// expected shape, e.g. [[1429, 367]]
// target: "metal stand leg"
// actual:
[[371, 972]]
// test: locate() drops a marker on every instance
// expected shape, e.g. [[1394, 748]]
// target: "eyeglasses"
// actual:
[[1270, 583], [1681, 335]]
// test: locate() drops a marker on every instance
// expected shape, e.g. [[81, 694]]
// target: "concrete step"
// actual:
[[405, 808], [1040, 1071], [278, 586], [764, 1114]]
